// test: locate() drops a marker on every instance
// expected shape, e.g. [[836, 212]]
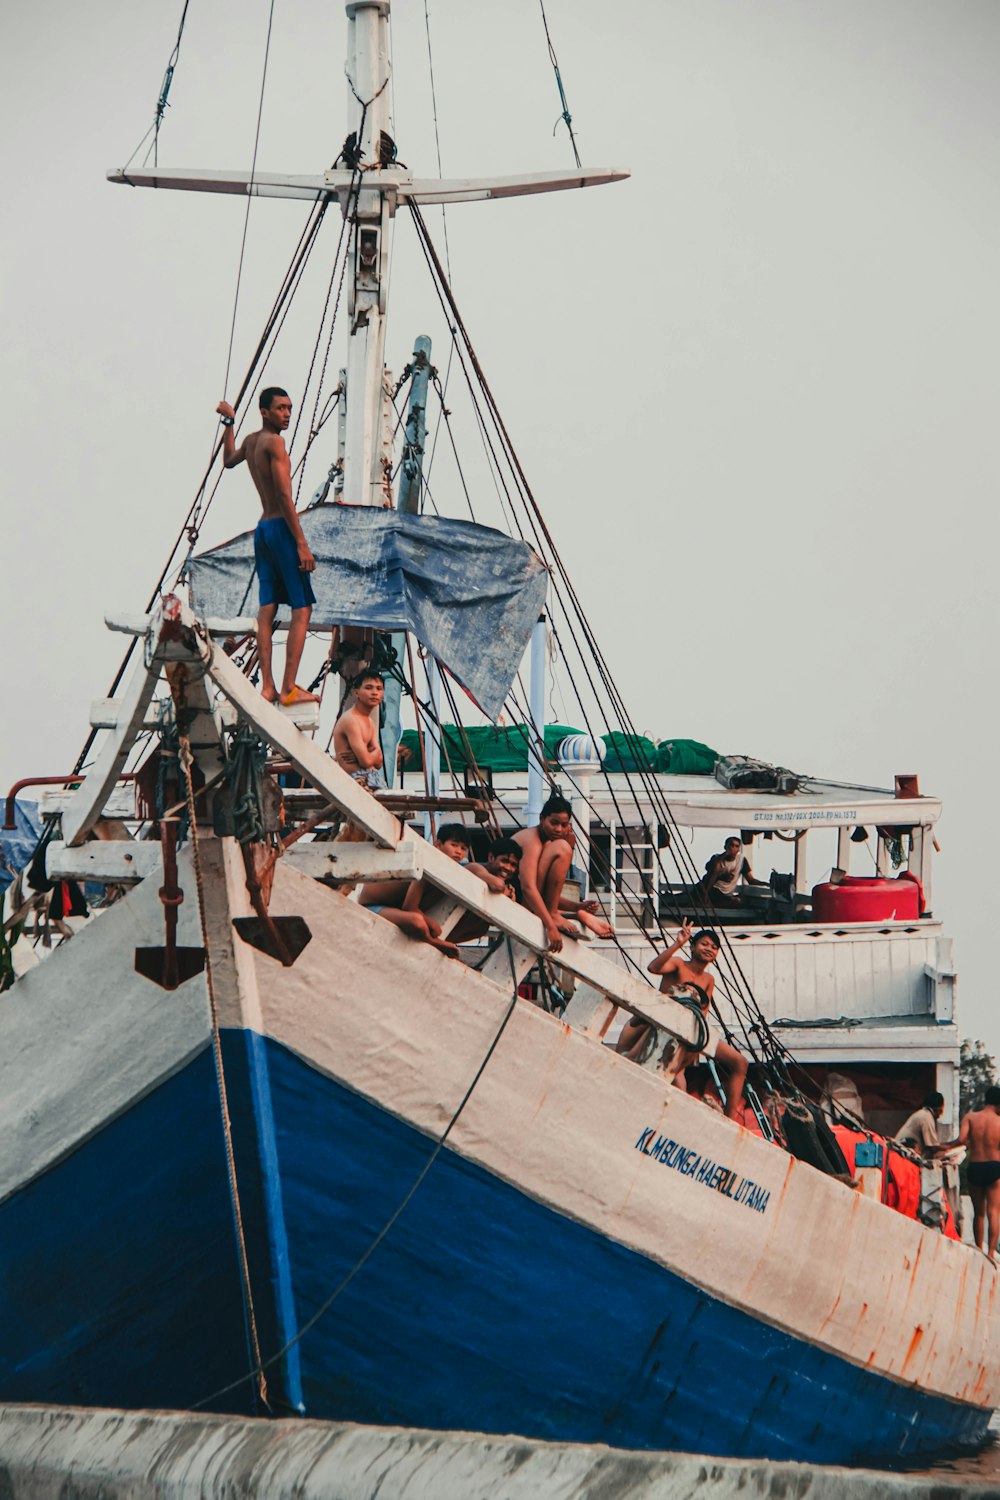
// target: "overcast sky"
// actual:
[[753, 388]]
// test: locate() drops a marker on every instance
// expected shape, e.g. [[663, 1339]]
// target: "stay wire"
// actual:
[[540, 531], [363, 1259], [246, 216], [314, 424], [161, 101], [168, 78], [652, 792], [437, 137], [445, 294], [565, 116], [189, 528]]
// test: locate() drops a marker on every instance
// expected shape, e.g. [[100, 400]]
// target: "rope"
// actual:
[[314, 424], [246, 216], [751, 1016], [196, 513], [437, 138], [187, 760], [565, 116], [366, 1256], [161, 102]]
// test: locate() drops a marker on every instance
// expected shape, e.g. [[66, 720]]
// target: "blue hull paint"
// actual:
[[481, 1310], [121, 1280], [486, 1311]]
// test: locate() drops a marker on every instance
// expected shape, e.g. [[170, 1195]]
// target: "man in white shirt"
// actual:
[[724, 874]]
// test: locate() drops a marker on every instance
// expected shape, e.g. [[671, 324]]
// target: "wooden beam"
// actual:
[[115, 862], [106, 713], [362, 809], [87, 803], [356, 861], [315, 765], [120, 802]]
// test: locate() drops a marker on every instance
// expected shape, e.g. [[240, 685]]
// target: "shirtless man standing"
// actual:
[[355, 734], [980, 1131], [676, 973], [281, 551], [546, 855]]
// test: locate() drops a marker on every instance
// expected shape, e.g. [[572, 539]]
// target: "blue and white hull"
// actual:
[[591, 1256]]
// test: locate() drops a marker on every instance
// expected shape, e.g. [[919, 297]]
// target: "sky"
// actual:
[[752, 387]]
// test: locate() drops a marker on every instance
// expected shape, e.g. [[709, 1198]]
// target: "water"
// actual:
[[984, 1465]]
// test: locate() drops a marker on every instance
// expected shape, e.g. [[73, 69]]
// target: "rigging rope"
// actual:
[[197, 512], [743, 1002], [565, 116], [246, 216], [314, 425], [437, 138], [161, 102]]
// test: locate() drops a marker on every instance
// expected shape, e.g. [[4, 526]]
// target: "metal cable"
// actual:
[[246, 216]]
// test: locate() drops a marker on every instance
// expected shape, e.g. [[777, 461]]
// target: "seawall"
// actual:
[[80, 1454]]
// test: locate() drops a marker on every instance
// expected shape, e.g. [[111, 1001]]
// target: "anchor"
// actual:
[[170, 965], [282, 938], [250, 809]]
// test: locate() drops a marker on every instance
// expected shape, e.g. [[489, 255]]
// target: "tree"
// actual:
[[977, 1071]]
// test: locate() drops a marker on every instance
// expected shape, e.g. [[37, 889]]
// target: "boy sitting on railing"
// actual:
[[403, 902], [676, 973], [546, 855]]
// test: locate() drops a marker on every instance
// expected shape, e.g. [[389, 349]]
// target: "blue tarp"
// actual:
[[470, 594], [17, 845]]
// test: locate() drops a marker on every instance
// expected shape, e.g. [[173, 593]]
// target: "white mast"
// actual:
[[370, 187], [373, 207]]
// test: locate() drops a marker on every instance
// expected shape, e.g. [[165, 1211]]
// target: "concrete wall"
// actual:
[[75, 1454]]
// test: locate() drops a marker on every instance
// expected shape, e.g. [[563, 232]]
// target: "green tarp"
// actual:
[[506, 749], [685, 758], [494, 749], [629, 752]]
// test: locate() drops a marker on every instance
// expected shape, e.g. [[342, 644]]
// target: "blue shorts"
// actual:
[[278, 573]]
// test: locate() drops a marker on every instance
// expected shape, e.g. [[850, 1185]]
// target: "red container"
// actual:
[[860, 898]]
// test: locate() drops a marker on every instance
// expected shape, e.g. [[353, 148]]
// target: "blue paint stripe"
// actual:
[[267, 1146]]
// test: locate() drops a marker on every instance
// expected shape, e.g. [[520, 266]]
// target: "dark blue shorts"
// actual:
[[278, 573]]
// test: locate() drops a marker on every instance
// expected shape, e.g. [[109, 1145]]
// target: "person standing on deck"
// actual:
[[281, 551], [546, 854], [980, 1131]]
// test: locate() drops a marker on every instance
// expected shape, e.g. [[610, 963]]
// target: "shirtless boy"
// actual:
[[676, 972], [402, 902], [499, 875], [546, 855], [355, 734], [281, 551], [980, 1131]]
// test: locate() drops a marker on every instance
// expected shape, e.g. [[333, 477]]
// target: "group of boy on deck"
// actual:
[[531, 867]]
